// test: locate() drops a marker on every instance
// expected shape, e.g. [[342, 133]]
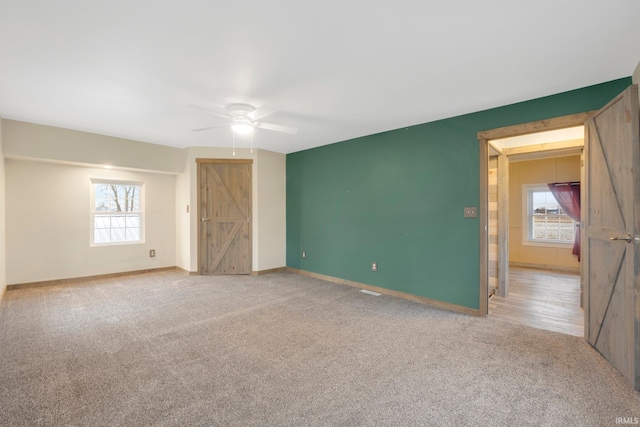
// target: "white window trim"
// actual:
[[92, 212], [526, 227]]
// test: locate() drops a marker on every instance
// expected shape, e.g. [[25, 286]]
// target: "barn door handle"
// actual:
[[205, 219], [627, 238]]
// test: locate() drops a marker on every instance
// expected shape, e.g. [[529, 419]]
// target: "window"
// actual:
[[116, 212], [544, 219]]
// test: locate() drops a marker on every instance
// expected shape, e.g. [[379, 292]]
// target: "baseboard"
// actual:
[[410, 297], [2, 292], [84, 278], [253, 273], [269, 270], [563, 268], [190, 273]]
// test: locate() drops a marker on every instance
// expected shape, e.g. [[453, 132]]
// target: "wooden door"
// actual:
[[611, 239], [224, 238]]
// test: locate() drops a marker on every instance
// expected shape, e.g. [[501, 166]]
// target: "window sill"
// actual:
[[548, 244], [100, 245]]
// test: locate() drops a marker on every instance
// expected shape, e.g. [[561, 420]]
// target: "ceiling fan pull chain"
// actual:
[[234, 142]]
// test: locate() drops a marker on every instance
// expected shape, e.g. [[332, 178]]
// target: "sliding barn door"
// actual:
[[224, 241], [611, 240]]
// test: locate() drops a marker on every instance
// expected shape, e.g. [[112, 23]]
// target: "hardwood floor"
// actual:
[[542, 299]]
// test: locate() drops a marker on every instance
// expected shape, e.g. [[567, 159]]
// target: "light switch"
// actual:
[[470, 212]]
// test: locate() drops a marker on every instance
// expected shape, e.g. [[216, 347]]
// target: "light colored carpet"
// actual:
[[167, 349]]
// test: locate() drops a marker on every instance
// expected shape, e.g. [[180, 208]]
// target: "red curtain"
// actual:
[[568, 196]]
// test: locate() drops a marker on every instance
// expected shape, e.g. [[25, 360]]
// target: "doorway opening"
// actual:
[[531, 276], [609, 234]]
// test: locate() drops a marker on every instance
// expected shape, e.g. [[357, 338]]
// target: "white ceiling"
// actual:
[[334, 69]]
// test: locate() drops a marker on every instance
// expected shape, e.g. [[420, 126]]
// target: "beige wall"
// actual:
[[3, 263], [48, 237], [183, 219], [32, 141], [541, 171], [271, 212], [66, 156]]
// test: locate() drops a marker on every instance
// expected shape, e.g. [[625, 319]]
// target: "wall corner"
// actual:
[[635, 78], [3, 234]]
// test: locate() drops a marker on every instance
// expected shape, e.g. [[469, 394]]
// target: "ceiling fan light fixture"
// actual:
[[242, 127], [245, 118]]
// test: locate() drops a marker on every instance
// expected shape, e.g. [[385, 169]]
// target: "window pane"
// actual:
[[118, 221], [103, 205], [111, 222], [547, 220], [544, 203], [129, 205], [117, 235], [102, 221], [567, 228], [133, 221], [133, 234], [101, 191], [101, 236]]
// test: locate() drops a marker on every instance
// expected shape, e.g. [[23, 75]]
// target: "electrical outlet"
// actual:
[[152, 253], [187, 208], [470, 212], [304, 254], [374, 266]]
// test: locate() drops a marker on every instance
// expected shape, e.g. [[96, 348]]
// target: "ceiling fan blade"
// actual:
[[224, 116], [260, 113], [278, 128], [210, 127]]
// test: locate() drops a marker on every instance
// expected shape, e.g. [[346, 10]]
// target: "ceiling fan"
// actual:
[[245, 118]]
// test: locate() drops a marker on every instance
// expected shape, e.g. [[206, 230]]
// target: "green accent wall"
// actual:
[[397, 198]]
